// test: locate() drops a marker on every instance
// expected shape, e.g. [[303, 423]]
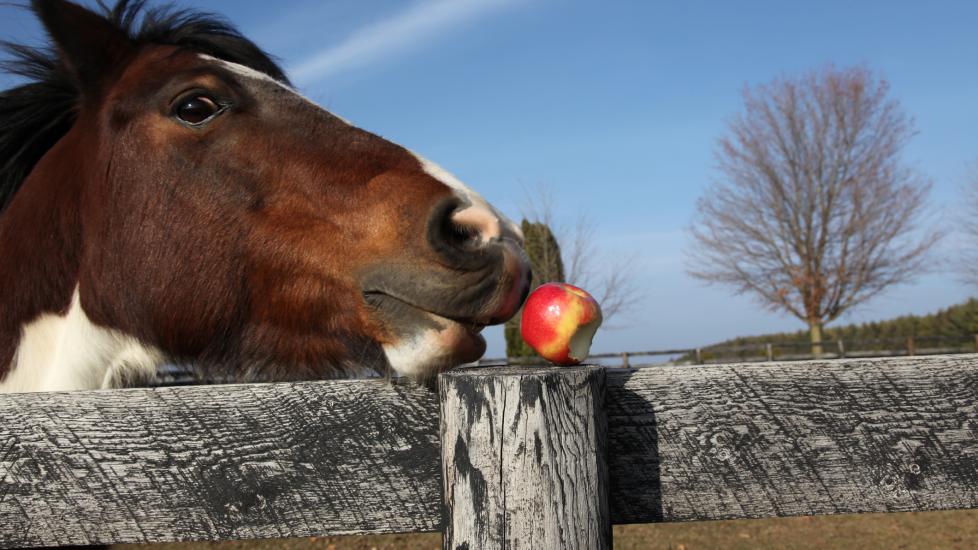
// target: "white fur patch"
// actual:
[[413, 357], [244, 71], [431, 350], [420, 357], [248, 72], [69, 352]]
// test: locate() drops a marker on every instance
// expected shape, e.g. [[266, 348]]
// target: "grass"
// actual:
[[952, 530]]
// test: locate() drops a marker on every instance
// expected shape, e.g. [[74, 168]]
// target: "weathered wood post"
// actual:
[[770, 352], [842, 348], [523, 456], [911, 346], [624, 360]]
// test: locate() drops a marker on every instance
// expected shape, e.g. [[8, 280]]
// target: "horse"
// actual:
[[168, 197]]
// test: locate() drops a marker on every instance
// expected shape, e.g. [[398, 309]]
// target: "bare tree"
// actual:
[[814, 212], [610, 280]]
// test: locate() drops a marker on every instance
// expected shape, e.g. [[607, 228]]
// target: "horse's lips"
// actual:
[[405, 318]]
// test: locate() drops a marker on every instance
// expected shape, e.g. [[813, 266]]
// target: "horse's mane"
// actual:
[[35, 115]]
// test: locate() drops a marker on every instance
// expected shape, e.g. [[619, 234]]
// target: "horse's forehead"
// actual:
[[247, 73], [462, 191]]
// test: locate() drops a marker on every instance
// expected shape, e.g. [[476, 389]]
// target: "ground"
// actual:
[[955, 529]]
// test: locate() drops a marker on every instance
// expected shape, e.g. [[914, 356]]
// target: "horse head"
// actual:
[[171, 198]]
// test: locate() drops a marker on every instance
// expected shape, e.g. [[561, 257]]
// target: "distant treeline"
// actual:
[[956, 325]]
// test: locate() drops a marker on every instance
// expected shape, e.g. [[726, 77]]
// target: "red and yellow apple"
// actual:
[[559, 321]]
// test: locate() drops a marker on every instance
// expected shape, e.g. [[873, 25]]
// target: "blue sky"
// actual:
[[616, 106]]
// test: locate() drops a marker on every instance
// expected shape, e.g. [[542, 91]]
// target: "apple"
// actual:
[[559, 321]]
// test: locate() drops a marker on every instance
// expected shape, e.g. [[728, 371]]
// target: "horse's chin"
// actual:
[[424, 343], [429, 352]]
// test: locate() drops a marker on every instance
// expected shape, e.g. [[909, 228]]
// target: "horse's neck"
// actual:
[[47, 342], [69, 352]]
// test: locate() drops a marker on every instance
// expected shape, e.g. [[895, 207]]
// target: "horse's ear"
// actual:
[[90, 46]]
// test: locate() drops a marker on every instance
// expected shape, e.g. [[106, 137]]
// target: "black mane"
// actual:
[[34, 116]]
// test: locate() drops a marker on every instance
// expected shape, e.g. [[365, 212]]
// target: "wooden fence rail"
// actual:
[[531, 456]]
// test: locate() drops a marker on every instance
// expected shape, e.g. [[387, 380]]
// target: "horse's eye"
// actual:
[[196, 109]]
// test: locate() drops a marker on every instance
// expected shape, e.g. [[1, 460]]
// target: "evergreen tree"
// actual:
[[954, 326], [544, 253]]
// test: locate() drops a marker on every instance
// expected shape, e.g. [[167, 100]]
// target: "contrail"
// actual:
[[422, 22]]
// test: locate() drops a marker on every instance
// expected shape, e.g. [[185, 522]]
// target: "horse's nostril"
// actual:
[[467, 237], [462, 236], [477, 221]]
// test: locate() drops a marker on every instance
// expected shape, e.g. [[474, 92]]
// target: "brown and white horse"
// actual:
[[168, 197]]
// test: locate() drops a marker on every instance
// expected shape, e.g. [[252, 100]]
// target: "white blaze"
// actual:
[[479, 210], [482, 212]]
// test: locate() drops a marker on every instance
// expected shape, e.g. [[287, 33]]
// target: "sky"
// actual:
[[616, 107]]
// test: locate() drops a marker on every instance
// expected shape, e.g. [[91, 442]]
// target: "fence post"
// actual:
[[624, 360], [842, 348], [770, 352], [911, 348], [523, 457], [699, 356]]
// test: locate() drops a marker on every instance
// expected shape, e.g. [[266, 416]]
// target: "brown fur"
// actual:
[[244, 244]]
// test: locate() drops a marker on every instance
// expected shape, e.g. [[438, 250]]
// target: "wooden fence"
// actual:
[[521, 457], [776, 351]]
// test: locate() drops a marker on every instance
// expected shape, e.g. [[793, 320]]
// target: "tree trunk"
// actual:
[[815, 329]]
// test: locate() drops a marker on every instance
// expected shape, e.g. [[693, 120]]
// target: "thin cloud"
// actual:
[[423, 22]]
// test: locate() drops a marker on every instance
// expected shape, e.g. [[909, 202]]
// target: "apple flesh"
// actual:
[[559, 321]]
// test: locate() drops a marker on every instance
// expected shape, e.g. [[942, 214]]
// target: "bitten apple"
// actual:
[[559, 321]]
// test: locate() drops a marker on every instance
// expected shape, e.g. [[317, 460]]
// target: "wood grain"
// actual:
[[780, 439], [523, 458], [218, 462], [684, 443]]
